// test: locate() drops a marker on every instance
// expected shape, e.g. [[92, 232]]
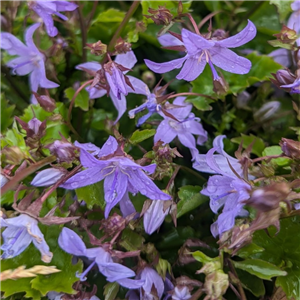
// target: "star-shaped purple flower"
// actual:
[[116, 80], [70, 242], [184, 128], [29, 61], [45, 9], [201, 51], [228, 190], [19, 233], [120, 174]]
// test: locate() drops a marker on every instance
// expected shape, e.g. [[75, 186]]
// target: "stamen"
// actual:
[[214, 72], [82, 276]]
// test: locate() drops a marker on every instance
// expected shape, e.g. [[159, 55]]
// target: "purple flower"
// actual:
[[121, 175], [45, 9], [153, 288], [29, 61], [294, 87], [48, 177], [182, 293], [154, 216], [18, 235], [118, 87], [293, 21], [226, 190], [221, 159], [201, 51], [70, 242], [184, 128]]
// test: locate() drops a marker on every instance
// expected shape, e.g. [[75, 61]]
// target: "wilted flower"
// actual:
[[160, 16], [290, 148], [121, 175], [70, 242], [63, 150], [20, 232], [214, 52], [184, 128], [30, 59], [48, 177], [97, 48], [46, 102], [116, 84], [45, 9]]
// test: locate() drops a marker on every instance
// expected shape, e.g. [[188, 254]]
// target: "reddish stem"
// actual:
[[193, 23]]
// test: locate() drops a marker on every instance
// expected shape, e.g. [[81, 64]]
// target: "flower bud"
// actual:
[[267, 111], [160, 16], [97, 48], [122, 46], [220, 86], [63, 150], [149, 78], [283, 77], [46, 102], [48, 177], [286, 36], [113, 224], [290, 148]]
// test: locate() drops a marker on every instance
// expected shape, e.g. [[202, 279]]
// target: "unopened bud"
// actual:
[[140, 26], [286, 38], [114, 224], [267, 111], [122, 46], [48, 177], [13, 155], [160, 16], [46, 102], [149, 78], [220, 86], [290, 148], [243, 99], [283, 77], [97, 48], [63, 150]]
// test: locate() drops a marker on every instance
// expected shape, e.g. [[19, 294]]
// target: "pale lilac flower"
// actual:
[[45, 9], [19, 233], [201, 51], [293, 21], [184, 128], [294, 87], [221, 159], [154, 216], [116, 80], [181, 293], [282, 56], [3, 180], [70, 242], [121, 175], [29, 61], [153, 288], [226, 190], [48, 177]]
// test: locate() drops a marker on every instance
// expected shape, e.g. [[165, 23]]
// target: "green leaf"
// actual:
[[283, 7], [111, 15], [39, 286], [201, 103], [8, 197], [190, 198], [131, 240], [276, 150], [92, 195], [257, 147], [283, 249], [139, 136], [82, 99], [6, 113], [111, 290], [251, 283], [260, 268], [200, 256], [249, 250]]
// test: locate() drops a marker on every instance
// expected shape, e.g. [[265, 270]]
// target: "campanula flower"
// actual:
[[29, 61], [19, 233], [184, 128], [181, 293], [70, 242], [294, 87], [293, 21], [117, 85], [45, 9], [226, 190], [48, 177], [120, 174], [200, 51]]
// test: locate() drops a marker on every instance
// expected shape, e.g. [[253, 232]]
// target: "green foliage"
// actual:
[[82, 99], [92, 195], [283, 7], [139, 136], [257, 144], [35, 288], [6, 113], [276, 150], [190, 198], [111, 290], [130, 240]]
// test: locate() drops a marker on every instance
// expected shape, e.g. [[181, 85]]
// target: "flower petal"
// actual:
[[12, 45], [71, 243], [164, 132], [192, 68], [165, 67], [243, 37], [127, 60], [131, 283], [120, 105], [169, 40], [113, 271], [29, 37], [126, 206], [43, 81], [140, 87], [229, 61], [47, 18], [89, 161], [95, 93], [22, 65], [93, 66], [109, 147], [91, 148], [65, 6]]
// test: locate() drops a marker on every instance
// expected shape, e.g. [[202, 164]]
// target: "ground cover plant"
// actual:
[[150, 150]]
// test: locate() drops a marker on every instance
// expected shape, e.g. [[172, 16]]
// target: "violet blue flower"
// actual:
[[221, 159], [295, 86], [45, 9], [121, 175], [153, 288], [19, 233], [29, 61], [181, 293], [154, 216], [184, 128], [48, 177], [201, 51], [293, 21], [116, 80], [225, 190], [71, 243]]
